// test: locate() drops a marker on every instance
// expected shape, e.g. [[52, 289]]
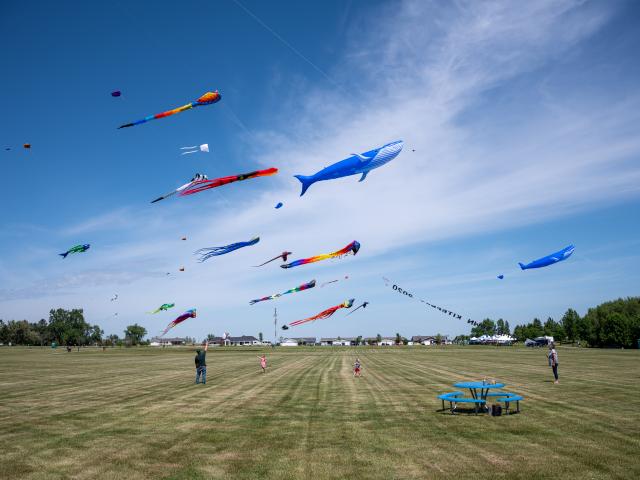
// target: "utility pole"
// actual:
[[275, 325]]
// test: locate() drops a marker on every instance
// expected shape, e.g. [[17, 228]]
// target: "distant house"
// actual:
[[424, 339], [167, 342], [338, 342], [387, 341], [243, 340], [289, 342]]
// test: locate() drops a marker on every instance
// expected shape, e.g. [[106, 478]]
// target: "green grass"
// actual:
[[135, 413]]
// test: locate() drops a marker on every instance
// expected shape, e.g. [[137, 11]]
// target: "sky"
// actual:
[[521, 125]]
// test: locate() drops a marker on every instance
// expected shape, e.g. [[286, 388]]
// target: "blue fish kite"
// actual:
[[357, 163], [550, 259], [279, 205], [500, 277]]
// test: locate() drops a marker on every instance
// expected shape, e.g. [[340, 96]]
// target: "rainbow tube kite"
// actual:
[[201, 185], [188, 314], [304, 286], [206, 99], [353, 247], [324, 314]]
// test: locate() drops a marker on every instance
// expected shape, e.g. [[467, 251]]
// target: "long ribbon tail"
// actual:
[[159, 115], [188, 148], [187, 153], [268, 261]]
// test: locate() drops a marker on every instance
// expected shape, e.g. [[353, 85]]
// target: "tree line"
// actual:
[[65, 327], [611, 324]]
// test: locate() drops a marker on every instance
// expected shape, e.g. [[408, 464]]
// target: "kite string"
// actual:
[[291, 47]]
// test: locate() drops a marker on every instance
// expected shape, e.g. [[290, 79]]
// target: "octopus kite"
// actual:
[[283, 256], [207, 253], [163, 307], [353, 248], [206, 99], [304, 286], [324, 314], [188, 314]]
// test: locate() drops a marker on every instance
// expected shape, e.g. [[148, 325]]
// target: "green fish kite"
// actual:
[[76, 249], [164, 306]]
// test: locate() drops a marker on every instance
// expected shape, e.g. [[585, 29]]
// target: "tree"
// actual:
[[68, 327], [570, 321], [359, 340], [96, 334], [486, 327], [260, 337], [507, 328], [398, 339], [112, 340], [378, 338], [500, 327], [211, 337], [438, 339], [134, 334]]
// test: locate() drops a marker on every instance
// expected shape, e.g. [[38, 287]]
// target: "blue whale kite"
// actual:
[[357, 163], [549, 259]]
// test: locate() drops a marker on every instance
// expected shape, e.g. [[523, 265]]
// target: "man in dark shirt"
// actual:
[[201, 364]]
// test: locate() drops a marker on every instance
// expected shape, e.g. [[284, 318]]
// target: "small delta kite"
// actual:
[[76, 249], [364, 305], [324, 314], [304, 286], [353, 248], [207, 253], [283, 256], [206, 99], [188, 314]]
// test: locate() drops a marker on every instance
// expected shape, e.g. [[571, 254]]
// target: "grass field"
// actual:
[[135, 413]]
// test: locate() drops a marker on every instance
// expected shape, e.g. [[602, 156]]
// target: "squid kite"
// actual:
[[353, 247], [201, 185], [283, 256], [163, 307], [549, 259], [207, 253], [304, 286], [114, 298], [364, 305], [195, 149], [324, 314], [76, 249], [196, 178], [346, 277], [206, 99], [188, 314]]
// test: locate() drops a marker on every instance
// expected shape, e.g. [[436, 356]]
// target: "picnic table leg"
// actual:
[[518, 406]]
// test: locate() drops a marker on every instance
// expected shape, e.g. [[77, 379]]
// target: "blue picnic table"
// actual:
[[483, 388]]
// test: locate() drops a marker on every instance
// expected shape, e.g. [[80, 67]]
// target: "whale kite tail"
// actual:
[[522, 266], [306, 182]]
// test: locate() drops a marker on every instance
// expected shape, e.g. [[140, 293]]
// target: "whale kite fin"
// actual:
[[361, 157], [364, 175], [64, 255], [522, 266], [306, 182]]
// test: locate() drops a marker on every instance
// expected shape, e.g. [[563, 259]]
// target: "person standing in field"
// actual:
[[553, 361], [263, 363], [201, 364], [356, 368]]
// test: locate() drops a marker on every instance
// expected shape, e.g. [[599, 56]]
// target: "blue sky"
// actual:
[[524, 121]]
